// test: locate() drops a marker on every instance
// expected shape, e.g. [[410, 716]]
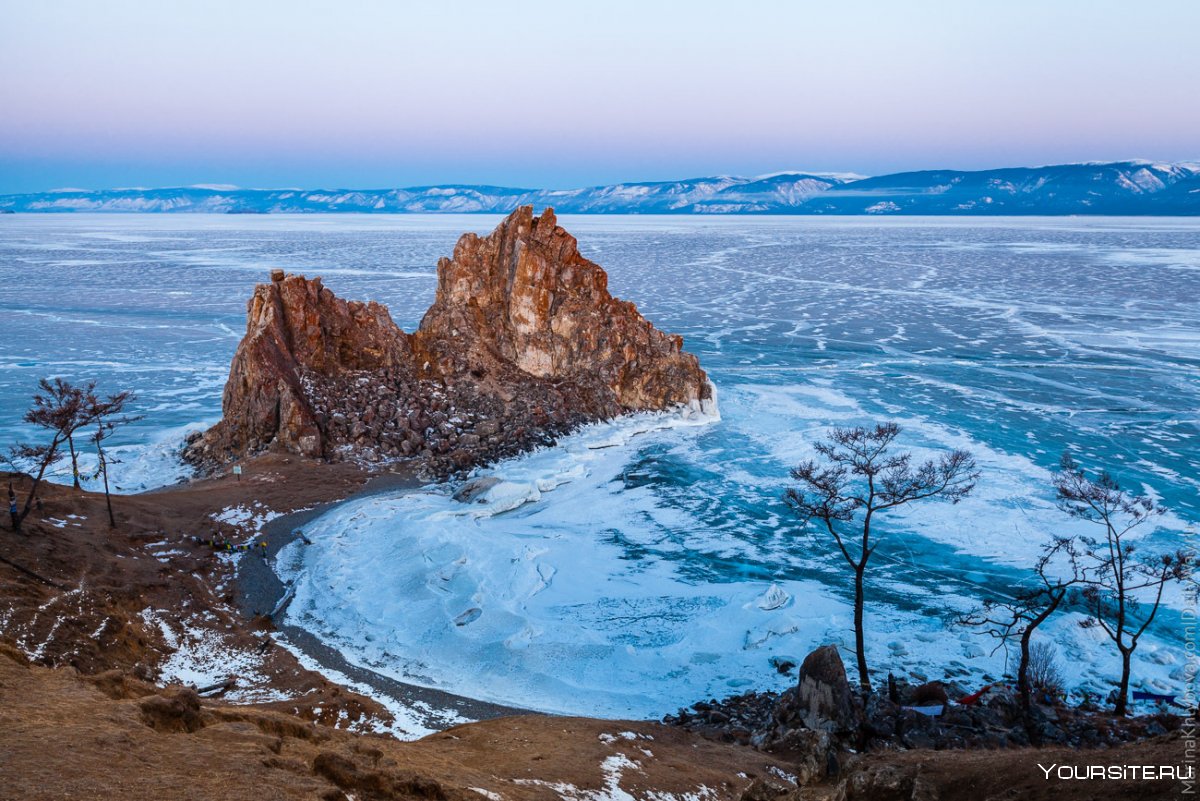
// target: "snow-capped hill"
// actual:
[[721, 195], [781, 192], [839, 177], [1123, 187], [449, 199], [1126, 187], [663, 197], [777, 193]]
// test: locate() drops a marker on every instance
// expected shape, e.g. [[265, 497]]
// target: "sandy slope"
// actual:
[[67, 737], [146, 599]]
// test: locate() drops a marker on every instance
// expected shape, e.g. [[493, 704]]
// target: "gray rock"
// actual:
[[825, 700]]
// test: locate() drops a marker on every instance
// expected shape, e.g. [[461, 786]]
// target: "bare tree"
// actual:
[[857, 478], [108, 415], [1120, 582], [57, 408], [62, 407], [1019, 616]]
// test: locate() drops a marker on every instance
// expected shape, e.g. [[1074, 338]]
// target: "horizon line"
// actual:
[[847, 177]]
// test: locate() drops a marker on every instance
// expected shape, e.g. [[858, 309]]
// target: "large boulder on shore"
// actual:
[[522, 343], [823, 696]]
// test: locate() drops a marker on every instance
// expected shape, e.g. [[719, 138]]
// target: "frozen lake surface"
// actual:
[[663, 567]]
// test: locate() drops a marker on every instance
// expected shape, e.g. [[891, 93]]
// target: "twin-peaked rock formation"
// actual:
[[522, 343]]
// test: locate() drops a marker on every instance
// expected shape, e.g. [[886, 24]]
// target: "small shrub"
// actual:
[[1044, 675]]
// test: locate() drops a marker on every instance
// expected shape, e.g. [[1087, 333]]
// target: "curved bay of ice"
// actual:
[[636, 567], [631, 579]]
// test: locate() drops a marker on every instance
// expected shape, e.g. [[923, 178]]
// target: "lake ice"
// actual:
[[630, 579]]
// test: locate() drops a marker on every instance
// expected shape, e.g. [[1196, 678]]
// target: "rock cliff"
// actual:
[[522, 343]]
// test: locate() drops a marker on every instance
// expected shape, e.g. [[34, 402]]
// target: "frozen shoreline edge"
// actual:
[[262, 591]]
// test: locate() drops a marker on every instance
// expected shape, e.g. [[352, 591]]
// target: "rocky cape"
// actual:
[[522, 343]]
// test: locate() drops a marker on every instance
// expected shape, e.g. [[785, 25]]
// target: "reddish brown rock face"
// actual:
[[522, 343], [524, 297]]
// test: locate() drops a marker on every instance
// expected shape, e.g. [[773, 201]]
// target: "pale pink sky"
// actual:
[[374, 94]]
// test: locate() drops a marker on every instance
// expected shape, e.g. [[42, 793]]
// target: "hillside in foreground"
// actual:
[[103, 629]]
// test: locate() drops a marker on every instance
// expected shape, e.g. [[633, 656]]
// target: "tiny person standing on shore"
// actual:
[[12, 507]]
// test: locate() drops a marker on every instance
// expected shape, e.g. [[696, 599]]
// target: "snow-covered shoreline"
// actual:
[[550, 592]]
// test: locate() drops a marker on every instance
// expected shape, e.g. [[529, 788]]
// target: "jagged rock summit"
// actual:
[[522, 302], [522, 343]]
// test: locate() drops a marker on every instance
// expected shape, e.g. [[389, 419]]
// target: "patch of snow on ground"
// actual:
[[409, 721], [488, 794], [250, 518], [612, 769], [202, 658], [780, 773]]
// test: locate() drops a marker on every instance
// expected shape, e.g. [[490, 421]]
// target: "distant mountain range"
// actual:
[[1123, 187]]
